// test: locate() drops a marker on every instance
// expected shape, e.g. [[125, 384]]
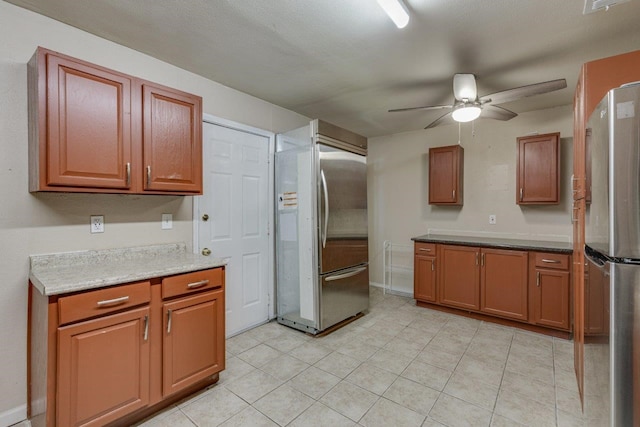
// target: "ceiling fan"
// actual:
[[469, 106]]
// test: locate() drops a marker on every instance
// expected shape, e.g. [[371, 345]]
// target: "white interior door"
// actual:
[[236, 171]]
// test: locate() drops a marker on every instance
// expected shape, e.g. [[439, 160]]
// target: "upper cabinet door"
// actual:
[[538, 169], [445, 175], [88, 123], [172, 140]]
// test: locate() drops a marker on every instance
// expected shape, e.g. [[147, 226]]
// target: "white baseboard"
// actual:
[[14, 416]]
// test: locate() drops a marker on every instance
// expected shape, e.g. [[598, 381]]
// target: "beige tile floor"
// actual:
[[399, 365]]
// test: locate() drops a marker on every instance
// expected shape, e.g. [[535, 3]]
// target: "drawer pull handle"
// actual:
[[168, 321], [146, 327], [550, 261], [425, 249], [199, 284], [115, 301]]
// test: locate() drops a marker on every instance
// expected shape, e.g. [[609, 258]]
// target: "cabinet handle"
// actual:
[[425, 249], [433, 268], [550, 261], [199, 284], [477, 258], [538, 279], [148, 175], [114, 301], [128, 174], [146, 327], [483, 259], [520, 193], [168, 321], [454, 194]]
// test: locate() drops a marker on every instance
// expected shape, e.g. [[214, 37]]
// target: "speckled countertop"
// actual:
[[59, 273], [492, 242]]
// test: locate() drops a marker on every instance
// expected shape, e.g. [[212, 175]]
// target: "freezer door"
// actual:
[[343, 294], [613, 217], [342, 209]]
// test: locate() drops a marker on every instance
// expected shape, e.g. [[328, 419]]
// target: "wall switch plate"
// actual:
[[492, 219], [167, 221], [97, 224]]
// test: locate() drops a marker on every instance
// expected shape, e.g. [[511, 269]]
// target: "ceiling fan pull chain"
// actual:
[[473, 131], [459, 124]]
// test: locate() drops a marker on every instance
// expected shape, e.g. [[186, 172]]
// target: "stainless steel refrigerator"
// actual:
[[612, 279], [322, 275]]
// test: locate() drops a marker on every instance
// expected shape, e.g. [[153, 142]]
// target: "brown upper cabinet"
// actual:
[[95, 130], [538, 169], [445, 175]]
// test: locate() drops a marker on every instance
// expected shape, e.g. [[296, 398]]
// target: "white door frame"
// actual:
[[208, 118]]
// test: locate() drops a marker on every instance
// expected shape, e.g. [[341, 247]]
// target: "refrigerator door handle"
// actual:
[[326, 207], [345, 275]]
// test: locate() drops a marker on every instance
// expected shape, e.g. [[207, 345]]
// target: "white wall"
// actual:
[[398, 182], [56, 222]]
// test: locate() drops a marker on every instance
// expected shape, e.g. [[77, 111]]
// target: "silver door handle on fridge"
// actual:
[[345, 275], [326, 207]]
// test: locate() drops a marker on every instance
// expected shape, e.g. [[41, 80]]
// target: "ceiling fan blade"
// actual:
[[429, 107], [497, 113], [442, 120], [464, 87], [524, 91]]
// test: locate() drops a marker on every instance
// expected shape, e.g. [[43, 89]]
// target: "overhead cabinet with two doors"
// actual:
[[92, 129], [537, 175]]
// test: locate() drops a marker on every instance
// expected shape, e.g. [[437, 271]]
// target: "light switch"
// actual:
[[167, 221]]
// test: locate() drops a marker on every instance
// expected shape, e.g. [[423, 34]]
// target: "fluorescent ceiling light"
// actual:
[[466, 114], [396, 10]]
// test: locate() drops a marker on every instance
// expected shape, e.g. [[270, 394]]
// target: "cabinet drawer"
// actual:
[[425, 249], [192, 282], [555, 261], [102, 301]]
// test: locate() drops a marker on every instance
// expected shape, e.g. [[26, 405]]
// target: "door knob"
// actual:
[[205, 217], [206, 252]]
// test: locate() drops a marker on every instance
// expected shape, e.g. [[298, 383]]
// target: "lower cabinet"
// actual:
[[503, 285], [424, 278], [459, 277], [524, 286], [103, 368], [549, 290], [191, 350], [98, 356]]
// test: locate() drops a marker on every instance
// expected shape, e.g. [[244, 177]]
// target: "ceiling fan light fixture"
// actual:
[[396, 10], [466, 113]]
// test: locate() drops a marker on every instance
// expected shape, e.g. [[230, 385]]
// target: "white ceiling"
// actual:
[[345, 62]]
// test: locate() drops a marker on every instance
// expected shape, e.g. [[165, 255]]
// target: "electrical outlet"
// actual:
[[97, 224], [167, 221], [492, 219]]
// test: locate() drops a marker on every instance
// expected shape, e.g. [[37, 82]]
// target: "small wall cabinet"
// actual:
[[92, 129], [538, 169], [446, 175]]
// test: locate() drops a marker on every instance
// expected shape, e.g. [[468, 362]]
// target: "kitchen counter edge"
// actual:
[[492, 242], [57, 276]]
